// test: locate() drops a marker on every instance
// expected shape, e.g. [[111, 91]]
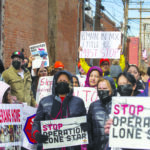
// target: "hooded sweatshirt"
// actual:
[[4, 87]]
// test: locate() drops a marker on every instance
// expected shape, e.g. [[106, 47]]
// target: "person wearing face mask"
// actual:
[[134, 70], [93, 76], [98, 114], [40, 72], [61, 104], [19, 79], [126, 84]]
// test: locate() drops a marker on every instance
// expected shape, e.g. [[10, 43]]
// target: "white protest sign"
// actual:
[[100, 44], [44, 87], [81, 79], [39, 51], [27, 112], [10, 125], [64, 132], [88, 95], [131, 123]]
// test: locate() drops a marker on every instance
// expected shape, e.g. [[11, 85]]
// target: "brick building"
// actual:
[[24, 23]]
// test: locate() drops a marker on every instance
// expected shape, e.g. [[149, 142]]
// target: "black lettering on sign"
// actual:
[[148, 137], [138, 133], [115, 121], [114, 136]]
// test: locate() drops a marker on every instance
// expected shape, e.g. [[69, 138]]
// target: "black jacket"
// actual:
[[47, 109], [98, 114]]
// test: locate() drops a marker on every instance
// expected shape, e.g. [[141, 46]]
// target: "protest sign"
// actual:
[[10, 126], [64, 132], [44, 87], [81, 79], [28, 115], [39, 51], [100, 44], [88, 95], [131, 123]]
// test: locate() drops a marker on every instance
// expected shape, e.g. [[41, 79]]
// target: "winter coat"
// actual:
[[87, 84], [139, 87], [86, 67], [47, 109], [98, 114], [21, 88]]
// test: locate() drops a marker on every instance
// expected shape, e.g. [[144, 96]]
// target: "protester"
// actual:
[[115, 70], [58, 66], [134, 70], [81, 71], [93, 76], [19, 79], [98, 114], [41, 72], [1, 69], [112, 83], [62, 99], [51, 70], [75, 81], [5, 94]]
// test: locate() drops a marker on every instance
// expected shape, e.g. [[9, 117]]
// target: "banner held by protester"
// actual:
[[44, 87], [64, 132], [100, 44], [39, 51], [88, 95], [10, 126], [131, 123]]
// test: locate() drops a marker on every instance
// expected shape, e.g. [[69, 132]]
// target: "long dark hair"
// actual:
[[5, 97]]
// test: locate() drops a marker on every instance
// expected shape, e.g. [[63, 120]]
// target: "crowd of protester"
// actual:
[[110, 78]]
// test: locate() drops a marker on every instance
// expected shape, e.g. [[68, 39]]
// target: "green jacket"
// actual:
[[21, 88]]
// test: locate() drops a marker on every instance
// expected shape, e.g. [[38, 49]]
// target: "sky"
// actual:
[[114, 9]]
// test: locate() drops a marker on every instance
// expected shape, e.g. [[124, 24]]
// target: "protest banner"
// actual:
[[100, 44], [28, 141], [44, 87], [131, 123], [81, 79], [39, 51], [10, 126], [64, 132], [88, 95]]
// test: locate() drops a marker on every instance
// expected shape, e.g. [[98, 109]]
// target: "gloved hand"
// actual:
[[40, 138], [84, 126]]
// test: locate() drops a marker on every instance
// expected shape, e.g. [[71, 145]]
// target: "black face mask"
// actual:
[[62, 88], [104, 96], [125, 90], [16, 64]]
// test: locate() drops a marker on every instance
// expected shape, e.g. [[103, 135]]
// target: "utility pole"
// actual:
[[144, 28], [126, 6], [97, 15], [140, 35]]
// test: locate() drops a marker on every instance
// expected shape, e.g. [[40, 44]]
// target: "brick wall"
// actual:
[[25, 23]]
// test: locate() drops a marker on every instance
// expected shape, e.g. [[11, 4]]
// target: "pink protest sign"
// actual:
[[88, 95], [131, 123], [100, 44]]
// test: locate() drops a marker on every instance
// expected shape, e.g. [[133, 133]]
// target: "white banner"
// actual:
[[88, 95], [10, 126], [44, 87], [64, 132], [100, 44], [131, 123], [39, 51]]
